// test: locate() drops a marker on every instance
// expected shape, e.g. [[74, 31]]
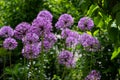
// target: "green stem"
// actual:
[[91, 61], [31, 66], [2, 75], [41, 57], [25, 69], [63, 75], [4, 66], [11, 64]]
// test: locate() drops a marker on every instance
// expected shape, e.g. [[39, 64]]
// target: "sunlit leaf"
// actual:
[[115, 53]]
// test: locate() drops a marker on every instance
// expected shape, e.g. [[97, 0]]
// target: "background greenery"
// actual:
[[106, 17]]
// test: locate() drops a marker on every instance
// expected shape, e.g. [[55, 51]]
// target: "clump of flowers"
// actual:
[[65, 33], [31, 51], [10, 43], [66, 58], [30, 38], [71, 37], [89, 43], [85, 23], [93, 75], [40, 26], [64, 21], [6, 31], [45, 14], [48, 41], [21, 30]]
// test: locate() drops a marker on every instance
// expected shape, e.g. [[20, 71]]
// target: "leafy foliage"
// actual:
[[106, 17]]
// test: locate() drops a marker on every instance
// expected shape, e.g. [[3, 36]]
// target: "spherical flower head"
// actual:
[[6, 31], [40, 26], [46, 15], [89, 43], [31, 51], [46, 45], [50, 37], [93, 75], [10, 43], [71, 37], [85, 23], [65, 33], [30, 38], [66, 58], [64, 21], [21, 30], [71, 41]]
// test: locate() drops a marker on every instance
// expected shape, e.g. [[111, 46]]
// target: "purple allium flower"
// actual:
[[10, 43], [71, 41], [21, 30], [89, 43], [30, 38], [65, 33], [93, 75], [50, 37], [45, 14], [40, 25], [85, 23], [72, 37], [6, 31], [64, 21], [66, 58], [31, 51], [46, 45], [49, 41]]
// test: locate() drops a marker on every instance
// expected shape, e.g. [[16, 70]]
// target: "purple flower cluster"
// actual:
[[40, 26], [72, 37], [93, 75], [30, 38], [6, 31], [89, 43], [31, 51], [64, 21], [66, 58], [45, 14], [21, 30], [65, 33], [48, 41], [10, 43], [85, 23]]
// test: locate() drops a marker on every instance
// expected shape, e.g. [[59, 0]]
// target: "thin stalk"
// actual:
[[91, 61], [41, 56], [4, 66], [25, 69], [2, 75], [11, 64], [31, 69], [63, 75], [25, 62]]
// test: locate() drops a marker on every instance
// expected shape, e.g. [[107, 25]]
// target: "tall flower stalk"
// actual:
[[41, 57], [4, 65]]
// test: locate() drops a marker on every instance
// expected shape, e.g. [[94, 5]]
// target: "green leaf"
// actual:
[[92, 9], [115, 53], [118, 18], [116, 8], [114, 35]]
